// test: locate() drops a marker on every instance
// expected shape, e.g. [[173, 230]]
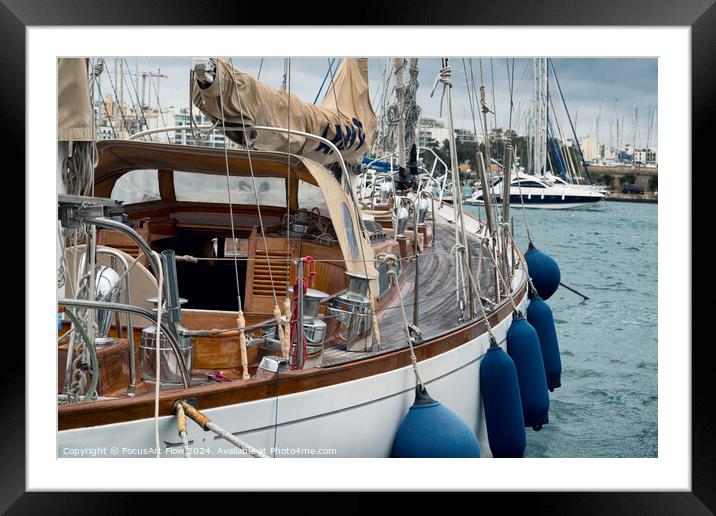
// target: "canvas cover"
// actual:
[[74, 121], [356, 248], [345, 116]]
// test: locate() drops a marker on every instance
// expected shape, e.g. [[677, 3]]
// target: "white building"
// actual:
[[436, 129], [590, 148], [464, 135], [432, 129], [185, 137], [645, 156]]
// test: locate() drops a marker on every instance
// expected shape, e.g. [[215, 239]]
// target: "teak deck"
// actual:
[[438, 322]]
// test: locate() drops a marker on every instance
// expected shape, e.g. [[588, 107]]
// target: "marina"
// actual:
[[269, 276]]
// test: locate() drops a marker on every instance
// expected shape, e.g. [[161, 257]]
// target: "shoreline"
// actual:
[[641, 198]]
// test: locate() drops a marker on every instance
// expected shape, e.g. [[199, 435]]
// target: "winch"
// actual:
[[423, 206], [108, 289], [400, 218], [308, 224], [353, 312], [301, 224], [386, 190]]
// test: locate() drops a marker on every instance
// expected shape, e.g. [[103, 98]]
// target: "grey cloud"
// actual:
[[588, 84]]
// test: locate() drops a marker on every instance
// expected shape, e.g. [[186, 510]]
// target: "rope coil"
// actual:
[[445, 77]]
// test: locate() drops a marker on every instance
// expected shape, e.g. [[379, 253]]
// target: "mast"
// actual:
[[399, 65], [411, 109], [540, 122]]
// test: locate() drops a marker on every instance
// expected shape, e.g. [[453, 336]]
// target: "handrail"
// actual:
[[142, 312], [131, 233]]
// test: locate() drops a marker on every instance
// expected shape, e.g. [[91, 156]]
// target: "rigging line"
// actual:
[[476, 286], [116, 101], [106, 110], [256, 195], [486, 143], [380, 133], [519, 182], [562, 151], [494, 100], [574, 132], [129, 92], [261, 65], [508, 288], [332, 86], [444, 76], [318, 93], [228, 191], [156, 95], [136, 94], [375, 93], [390, 265], [283, 79], [511, 83], [474, 124]]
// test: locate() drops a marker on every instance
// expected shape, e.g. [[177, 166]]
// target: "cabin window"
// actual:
[[530, 184], [310, 196], [137, 186], [348, 224], [212, 188]]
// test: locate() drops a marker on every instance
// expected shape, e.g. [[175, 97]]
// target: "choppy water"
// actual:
[[607, 405]]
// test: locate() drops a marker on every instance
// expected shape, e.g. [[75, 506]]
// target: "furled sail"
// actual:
[[345, 117], [74, 120]]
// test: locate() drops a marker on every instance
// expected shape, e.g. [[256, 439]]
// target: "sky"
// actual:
[[595, 89]]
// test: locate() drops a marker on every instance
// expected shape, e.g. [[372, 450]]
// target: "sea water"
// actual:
[[607, 405]]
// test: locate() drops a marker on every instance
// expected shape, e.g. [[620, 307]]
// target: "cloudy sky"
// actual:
[[596, 89]]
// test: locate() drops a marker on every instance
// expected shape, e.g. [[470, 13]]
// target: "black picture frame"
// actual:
[[700, 15]]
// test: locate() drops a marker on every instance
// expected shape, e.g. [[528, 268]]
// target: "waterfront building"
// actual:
[[432, 129]]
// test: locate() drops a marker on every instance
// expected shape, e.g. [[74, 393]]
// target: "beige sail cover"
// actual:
[[74, 121], [345, 116], [356, 248]]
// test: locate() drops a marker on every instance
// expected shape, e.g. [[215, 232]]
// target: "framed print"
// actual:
[[283, 241]]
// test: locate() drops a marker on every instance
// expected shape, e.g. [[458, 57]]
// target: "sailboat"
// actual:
[[251, 286], [540, 187]]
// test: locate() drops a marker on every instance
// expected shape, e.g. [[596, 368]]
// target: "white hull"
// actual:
[[550, 193], [352, 419]]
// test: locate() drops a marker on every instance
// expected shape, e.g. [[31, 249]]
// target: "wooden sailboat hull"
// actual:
[[357, 418]]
